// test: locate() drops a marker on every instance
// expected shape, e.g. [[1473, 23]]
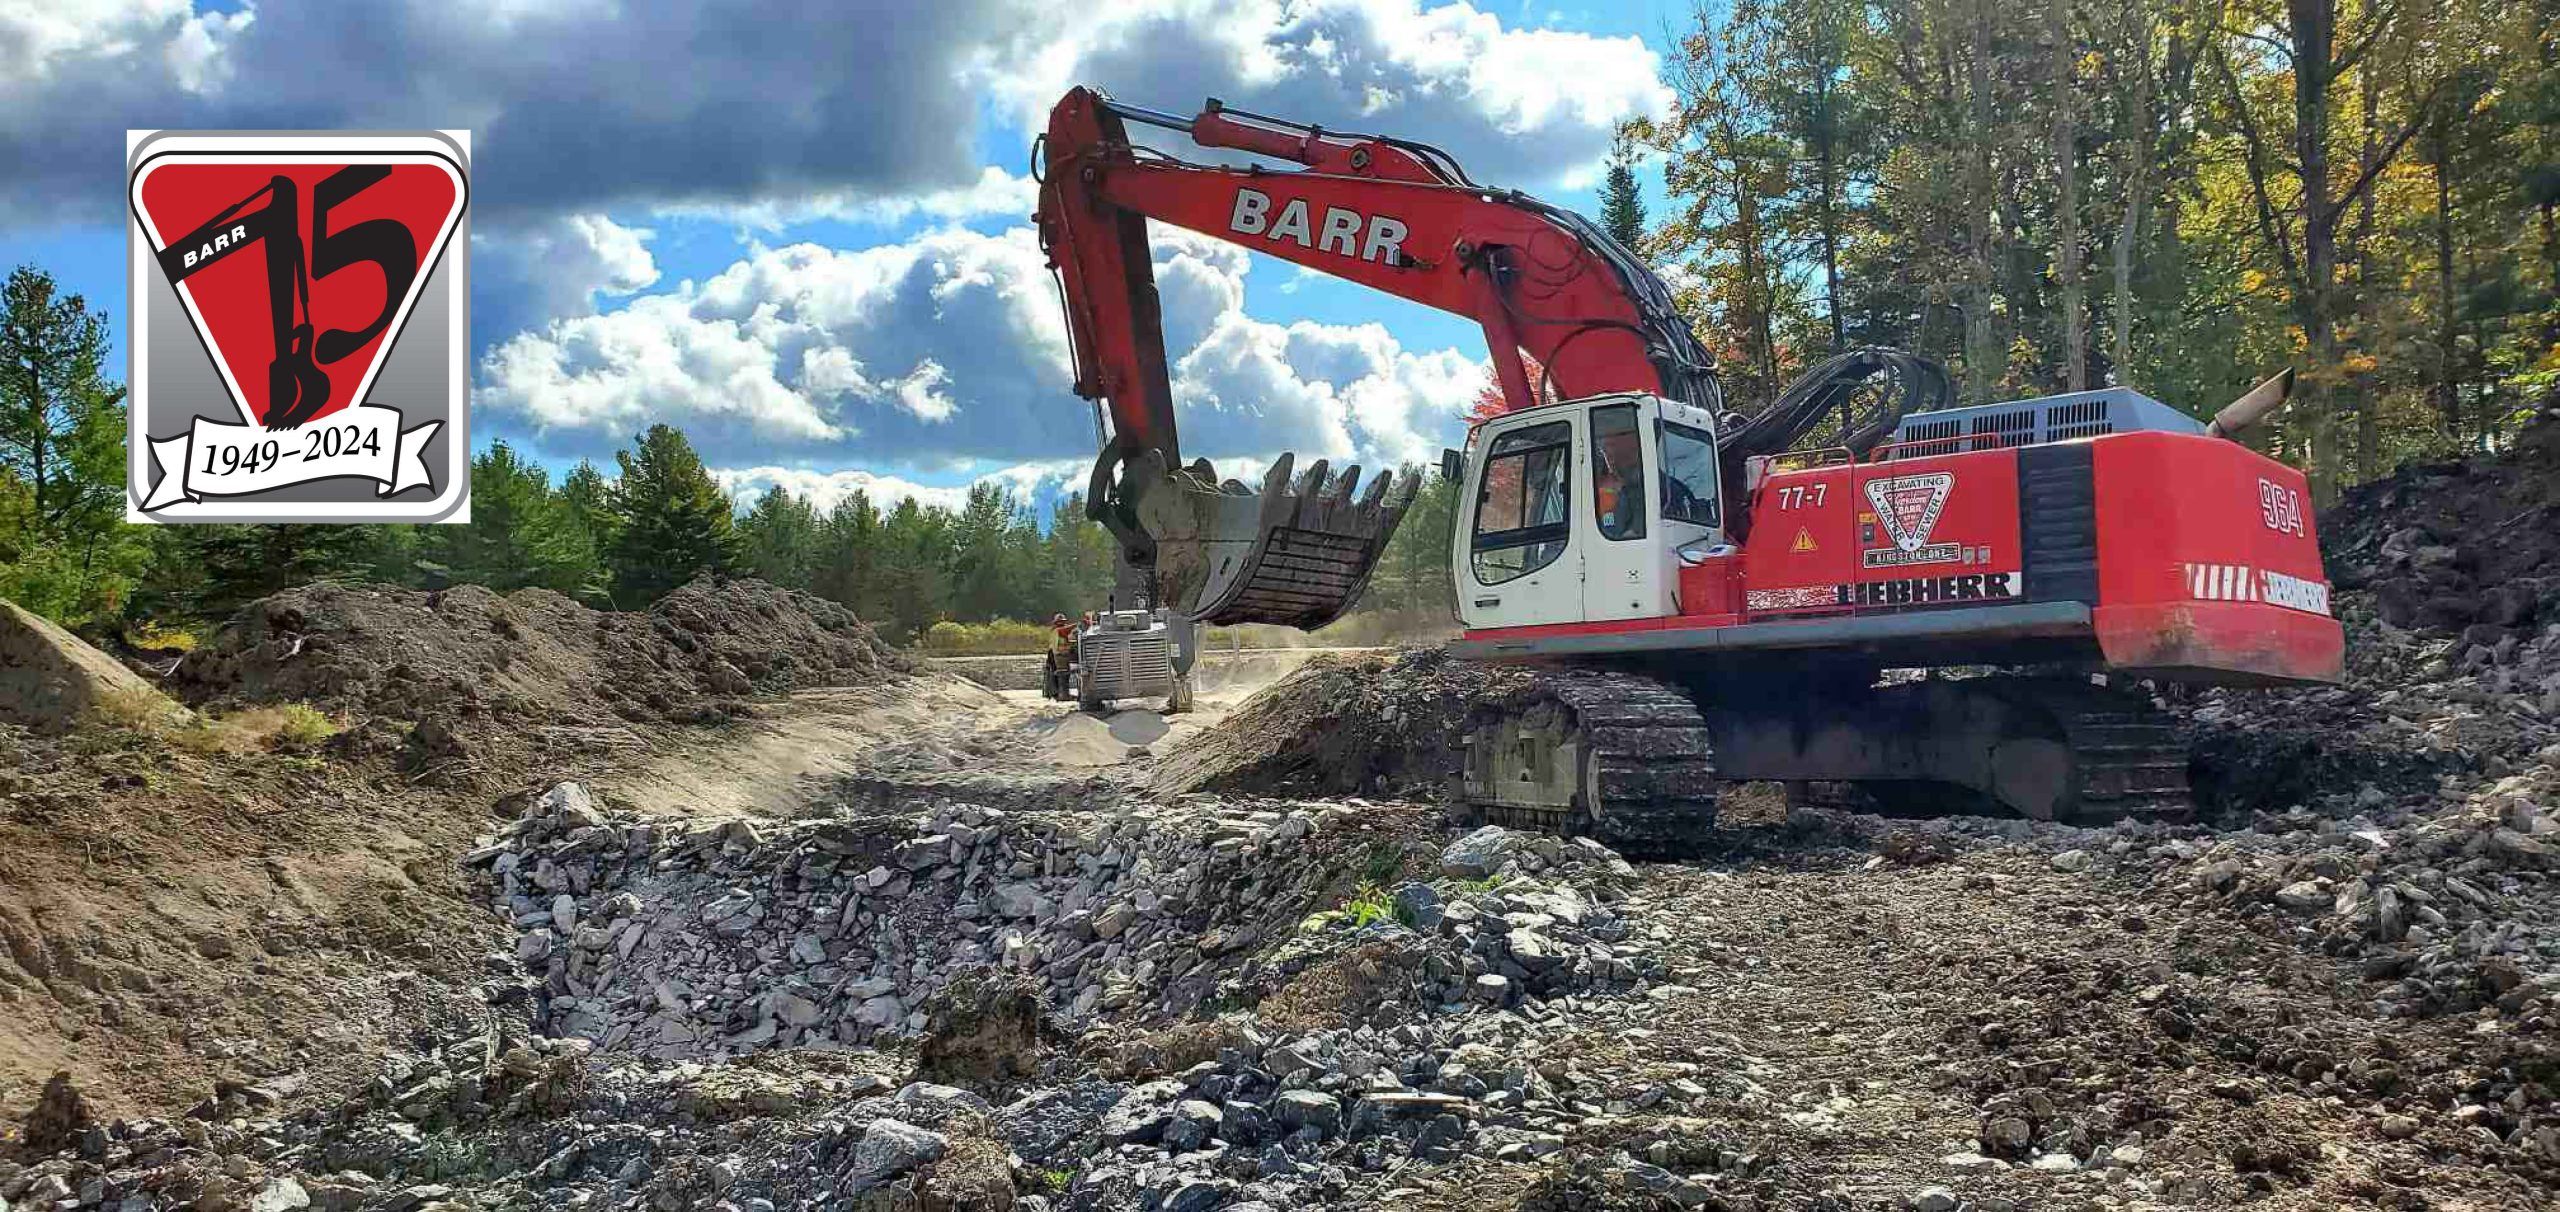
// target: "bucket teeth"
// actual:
[[1296, 553]]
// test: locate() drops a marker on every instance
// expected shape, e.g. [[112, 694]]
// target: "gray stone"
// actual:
[[1243, 1123], [1478, 854], [564, 914], [1114, 919], [570, 804], [1533, 950], [1309, 1109], [2303, 896], [1021, 900], [1287, 1059], [934, 1103], [1194, 1122], [1418, 906], [1491, 989], [411, 1198], [1142, 1114], [916, 854], [280, 1194], [1198, 1195], [1934, 1199], [2071, 860], [892, 1147]]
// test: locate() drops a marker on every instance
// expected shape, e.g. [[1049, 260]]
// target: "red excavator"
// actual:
[[1859, 590]]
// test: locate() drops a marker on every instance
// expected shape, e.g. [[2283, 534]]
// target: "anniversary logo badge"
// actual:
[[298, 327]]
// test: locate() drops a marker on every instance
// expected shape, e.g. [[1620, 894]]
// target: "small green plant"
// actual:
[[287, 729], [1386, 862], [1369, 904], [1056, 1180], [1487, 884], [303, 725]]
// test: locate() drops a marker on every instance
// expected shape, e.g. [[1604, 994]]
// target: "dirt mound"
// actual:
[[2448, 578], [49, 677], [1367, 724], [2471, 546], [531, 657]]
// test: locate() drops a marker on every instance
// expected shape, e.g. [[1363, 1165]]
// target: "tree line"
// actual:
[[619, 541], [2176, 195]]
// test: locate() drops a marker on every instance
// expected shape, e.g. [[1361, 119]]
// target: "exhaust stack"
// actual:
[[2257, 405]]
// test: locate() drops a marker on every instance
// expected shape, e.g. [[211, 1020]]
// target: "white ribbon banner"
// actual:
[[213, 459]]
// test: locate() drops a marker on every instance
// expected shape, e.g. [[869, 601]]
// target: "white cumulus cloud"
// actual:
[[1035, 485], [1516, 106], [948, 350]]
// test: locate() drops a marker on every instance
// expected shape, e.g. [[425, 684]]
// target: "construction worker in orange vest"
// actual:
[[1062, 645], [1619, 486]]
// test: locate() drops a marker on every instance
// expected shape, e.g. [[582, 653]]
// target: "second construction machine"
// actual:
[[1709, 599]]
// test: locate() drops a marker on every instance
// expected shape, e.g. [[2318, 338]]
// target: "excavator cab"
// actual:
[[1585, 511]]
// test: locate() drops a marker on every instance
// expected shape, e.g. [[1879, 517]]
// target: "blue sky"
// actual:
[[801, 235]]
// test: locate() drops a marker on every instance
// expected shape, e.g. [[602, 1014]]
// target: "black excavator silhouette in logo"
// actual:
[[297, 389]]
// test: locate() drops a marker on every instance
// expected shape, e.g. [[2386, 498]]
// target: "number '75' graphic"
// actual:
[[297, 391]]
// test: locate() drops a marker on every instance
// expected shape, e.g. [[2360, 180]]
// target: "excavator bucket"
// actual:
[[1297, 553]]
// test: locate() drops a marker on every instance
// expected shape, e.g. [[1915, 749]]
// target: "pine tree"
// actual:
[[1621, 204], [848, 556], [64, 547], [207, 572], [915, 553], [778, 539], [671, 522], [587, 499], [985, 569], [520, 534]]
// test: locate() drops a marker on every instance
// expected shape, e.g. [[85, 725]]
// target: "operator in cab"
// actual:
[[1618, 483]]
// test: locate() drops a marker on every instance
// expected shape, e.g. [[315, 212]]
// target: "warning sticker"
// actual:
[[1804, 541]]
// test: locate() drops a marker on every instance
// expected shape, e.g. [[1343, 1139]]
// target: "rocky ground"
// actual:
[[971, 951], [263, 891]]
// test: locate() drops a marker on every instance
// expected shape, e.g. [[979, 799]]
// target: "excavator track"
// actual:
[[2130, 762], [1620, 757], [1634, 761]]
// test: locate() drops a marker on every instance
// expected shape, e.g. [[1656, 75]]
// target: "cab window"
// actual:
[[1521, 503], [1689, 475], [1617, 472]]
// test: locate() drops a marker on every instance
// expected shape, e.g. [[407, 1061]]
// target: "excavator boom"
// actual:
[[1390, 214]]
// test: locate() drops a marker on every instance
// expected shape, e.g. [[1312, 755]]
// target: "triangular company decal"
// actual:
[[1909, 505], [298, 271], [1804, 541]]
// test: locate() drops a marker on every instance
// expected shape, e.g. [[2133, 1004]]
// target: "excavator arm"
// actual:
[[1396, 216], [1543, 282]]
